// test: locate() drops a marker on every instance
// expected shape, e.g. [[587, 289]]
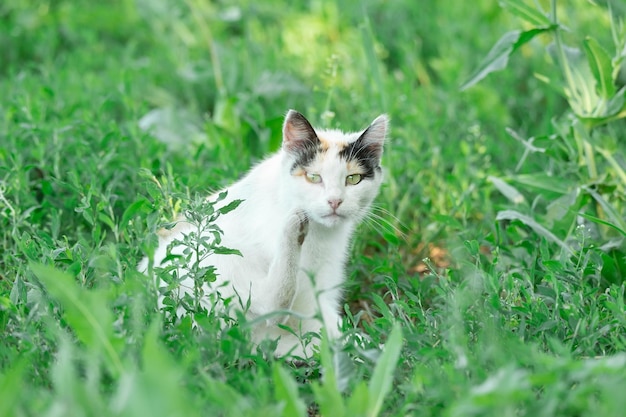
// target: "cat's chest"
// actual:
[[323, 249]]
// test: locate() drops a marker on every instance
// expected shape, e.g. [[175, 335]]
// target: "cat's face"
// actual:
[[333, 176]]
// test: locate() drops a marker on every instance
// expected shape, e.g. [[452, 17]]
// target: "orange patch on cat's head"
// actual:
[[354, 167], [324, 144], [298, 172]]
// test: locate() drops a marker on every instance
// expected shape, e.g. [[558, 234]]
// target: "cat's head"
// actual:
[[333, 176]]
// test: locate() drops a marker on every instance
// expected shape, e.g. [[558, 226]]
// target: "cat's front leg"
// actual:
[[277, 291]]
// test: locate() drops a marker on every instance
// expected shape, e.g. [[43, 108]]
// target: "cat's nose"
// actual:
[[335, 203]]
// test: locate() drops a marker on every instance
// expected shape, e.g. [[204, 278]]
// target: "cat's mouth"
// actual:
[[333, 215], [333, 218]]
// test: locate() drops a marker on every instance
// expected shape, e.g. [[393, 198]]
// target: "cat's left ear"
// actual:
[[373, 138]]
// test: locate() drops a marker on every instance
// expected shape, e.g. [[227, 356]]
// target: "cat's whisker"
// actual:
[[381, 223]]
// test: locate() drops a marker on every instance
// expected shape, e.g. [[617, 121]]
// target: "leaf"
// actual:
[[287, 392], [507, 190], [132, 210], [614, 270], [230, 206], [220, 250], [537, 228], [359, 400], [618, 222], [601, 67], [604, 222], [498, 57], [542, 181], [382, 379], [561, 206], [104, 218], [616, 107], [327, 394], [525, 12], [610, 158], [85, 312], [177, 127], [580, 84], [344, 370], [11, 386], [226, 113]]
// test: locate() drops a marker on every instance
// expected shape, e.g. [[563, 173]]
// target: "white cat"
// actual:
[[293, 227]]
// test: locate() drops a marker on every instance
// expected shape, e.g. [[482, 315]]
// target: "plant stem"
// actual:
[[570, 82], [198, 12]]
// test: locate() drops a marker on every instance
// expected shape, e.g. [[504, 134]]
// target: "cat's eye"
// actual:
[[353, 179], [313, 178]]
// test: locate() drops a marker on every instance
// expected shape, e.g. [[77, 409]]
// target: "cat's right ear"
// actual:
[[298, 134]]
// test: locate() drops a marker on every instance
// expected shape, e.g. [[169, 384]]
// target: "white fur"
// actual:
[[275, 273]]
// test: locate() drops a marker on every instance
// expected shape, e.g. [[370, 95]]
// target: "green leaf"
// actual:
[[614, 271], [617, 220], [226, 114], [580, 84], [85, 312], [220, 250], [510, 192], [382, 379], [11, 386], [230, 206], [327, 394], [525, 12], [104, 218], [287, 392], [542, 181], [616, 107], [537, 228], [604, 222], [498, 57], [132, 210], [610, 158], [601, 67], [359, 400]]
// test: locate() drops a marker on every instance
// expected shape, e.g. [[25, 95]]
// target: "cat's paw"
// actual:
[[299, 227], [303, 229]]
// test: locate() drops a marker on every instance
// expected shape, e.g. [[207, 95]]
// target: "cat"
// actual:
[[293, 227]]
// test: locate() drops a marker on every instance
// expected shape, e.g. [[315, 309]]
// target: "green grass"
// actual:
[[496, 281]]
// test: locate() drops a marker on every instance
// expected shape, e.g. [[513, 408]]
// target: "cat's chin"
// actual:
[[332, 220]]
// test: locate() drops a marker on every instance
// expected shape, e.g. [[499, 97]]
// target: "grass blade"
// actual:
[[133, 210], [525, 12], [537, 228], [496, 60], [85, 312], [498, 57], [11, 387], [287, 392], [618, 222], [507, 190], [380, 385], [327, 394], [601, 68], [543, 181], [603, 222]]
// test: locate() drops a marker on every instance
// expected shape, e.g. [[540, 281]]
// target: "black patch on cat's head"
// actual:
[[300, 139], [367, 150]]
